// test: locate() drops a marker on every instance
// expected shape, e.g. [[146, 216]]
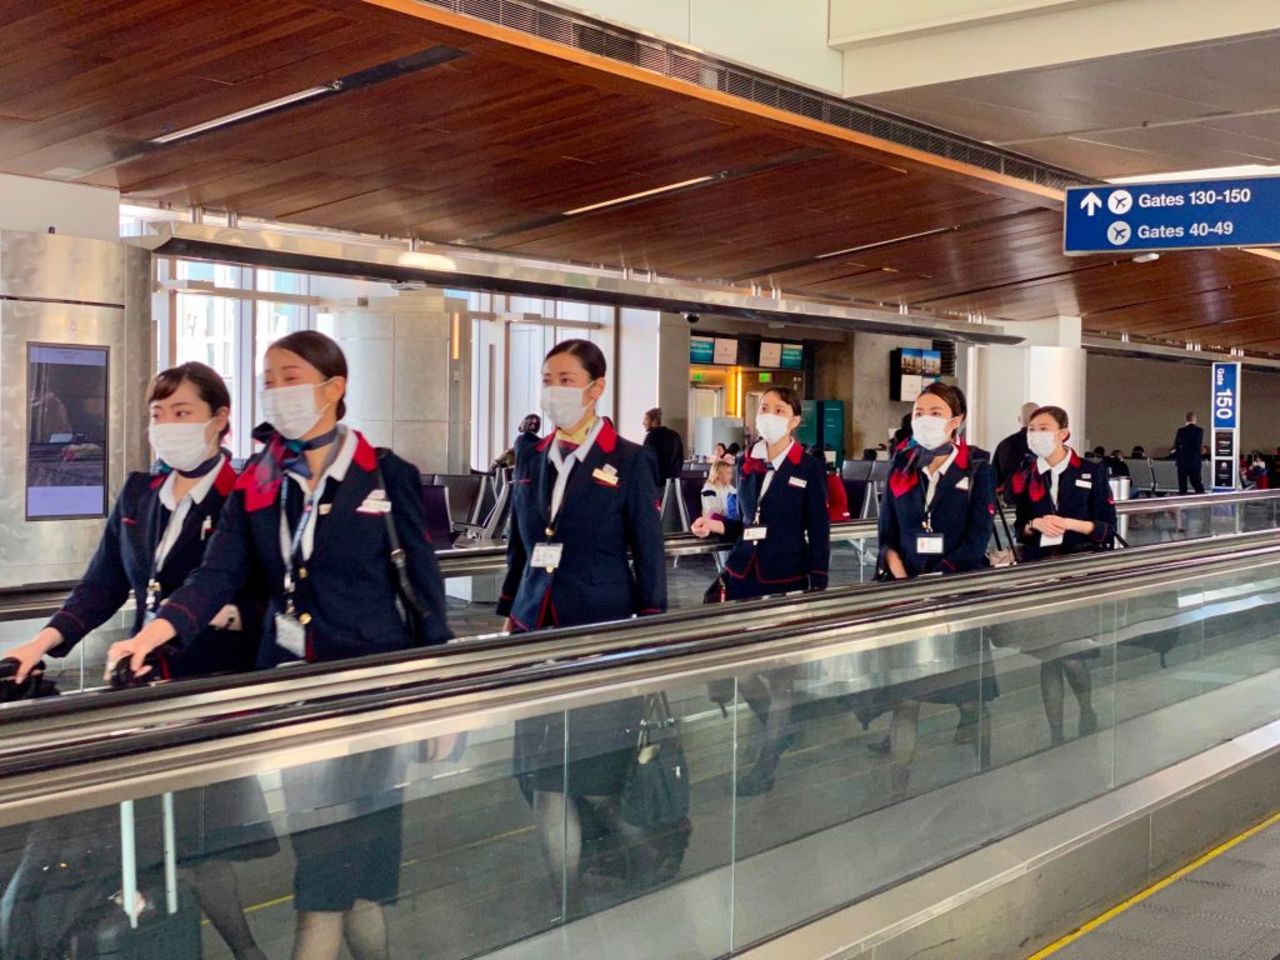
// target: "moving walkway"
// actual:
[[832, 859]]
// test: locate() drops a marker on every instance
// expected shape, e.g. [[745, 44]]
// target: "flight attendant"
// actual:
[[313, 517], [586, 547], [1064, 506], [781, 542], [156, 536], [935, 517]]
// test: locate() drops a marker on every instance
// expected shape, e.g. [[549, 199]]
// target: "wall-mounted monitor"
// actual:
[[66, 431], [726, 351], [792, 356], [911, 369], [770, 355], [702, 350]]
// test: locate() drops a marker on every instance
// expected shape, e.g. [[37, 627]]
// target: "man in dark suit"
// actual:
[[1012, 452], [1186, 453], [666, 445]]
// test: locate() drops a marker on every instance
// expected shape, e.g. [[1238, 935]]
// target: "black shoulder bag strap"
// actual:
[[400, 563]]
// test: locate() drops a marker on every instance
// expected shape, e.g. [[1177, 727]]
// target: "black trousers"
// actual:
[[1186, 473]]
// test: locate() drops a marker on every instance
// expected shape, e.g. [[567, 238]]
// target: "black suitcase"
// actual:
[[164, 923], [34, 687]]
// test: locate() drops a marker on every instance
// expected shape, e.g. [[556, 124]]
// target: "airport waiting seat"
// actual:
[[439, 524], [691, 497], [1164, 475], [1140, 473], [464, 491], [856, 493], [488, 495], [494, 526], [857, 470]]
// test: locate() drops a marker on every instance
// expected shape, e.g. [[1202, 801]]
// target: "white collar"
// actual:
[[197, 493], [1042, 465], [761, 452], [558, 457], [946, 464], [347, 442]]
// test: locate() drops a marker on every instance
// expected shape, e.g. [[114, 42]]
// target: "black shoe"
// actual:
[[760, 779]]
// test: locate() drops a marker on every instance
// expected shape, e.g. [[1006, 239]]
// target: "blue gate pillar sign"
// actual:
[[1172, 215], [1224, 431]]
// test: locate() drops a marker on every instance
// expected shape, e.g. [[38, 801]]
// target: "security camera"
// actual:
[[692, 317]]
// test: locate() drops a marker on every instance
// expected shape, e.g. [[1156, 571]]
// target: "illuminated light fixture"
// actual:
[[1146, 258], [639, 196], [245, 114]]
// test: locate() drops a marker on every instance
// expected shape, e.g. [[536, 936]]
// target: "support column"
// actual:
[[1048, 368]]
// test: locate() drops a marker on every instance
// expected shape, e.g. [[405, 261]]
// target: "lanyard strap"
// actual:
[[765, 484], [289, 548]]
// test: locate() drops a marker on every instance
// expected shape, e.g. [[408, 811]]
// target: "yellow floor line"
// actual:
[[1155, 888]]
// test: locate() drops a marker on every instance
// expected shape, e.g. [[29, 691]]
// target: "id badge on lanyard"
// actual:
[[928, 543]]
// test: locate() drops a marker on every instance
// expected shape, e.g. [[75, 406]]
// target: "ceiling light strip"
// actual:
[[245, 114], [640, 196]]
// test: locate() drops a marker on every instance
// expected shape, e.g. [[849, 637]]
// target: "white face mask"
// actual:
[[930, 432], [772, 427], [1042, 442], [565, 406], [183, 446], [293, 411]]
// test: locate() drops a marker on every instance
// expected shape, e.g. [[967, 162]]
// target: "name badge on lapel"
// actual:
[[606, 476], [752, 534], [547, 556], [206, 528], [963, 484], [798, 482], [376, 503], [930, 544], [1086, 484]]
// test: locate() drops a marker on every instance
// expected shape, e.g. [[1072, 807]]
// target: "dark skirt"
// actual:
[[225, 821], [349, 860], [600, 746]]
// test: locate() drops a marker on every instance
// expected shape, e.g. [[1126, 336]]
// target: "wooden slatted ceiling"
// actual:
[[493, 147]]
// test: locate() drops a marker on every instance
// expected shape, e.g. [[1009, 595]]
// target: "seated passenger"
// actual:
[[837, 496], [155, 538], [316, 516], [936, 517], [719, 496], [1116, 466], [781, 542], [1064, 506]]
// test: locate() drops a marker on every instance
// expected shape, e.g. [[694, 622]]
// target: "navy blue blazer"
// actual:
[[124, 561], [962, 510], [349, 591], [1084, 493], [613, 564], [796, 555]]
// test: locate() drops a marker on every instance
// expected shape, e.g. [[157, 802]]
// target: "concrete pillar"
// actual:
[[410, 363], [1048, 368], [673, 376]]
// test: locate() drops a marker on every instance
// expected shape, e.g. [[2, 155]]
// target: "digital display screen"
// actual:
[[66, 431], [911, 370], [792, 356], [770, 355], [702, 350], [726, 351]]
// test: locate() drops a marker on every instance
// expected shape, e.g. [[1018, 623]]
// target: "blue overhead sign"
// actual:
[[1184, 215]]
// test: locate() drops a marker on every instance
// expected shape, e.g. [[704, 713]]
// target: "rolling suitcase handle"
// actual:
[[34, 686]]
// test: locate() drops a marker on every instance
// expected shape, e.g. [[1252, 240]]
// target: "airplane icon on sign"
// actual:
[[1119, 233]]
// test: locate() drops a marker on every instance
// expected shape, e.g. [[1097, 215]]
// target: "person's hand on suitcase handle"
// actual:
[[15, 672], [155, 634], [30, 654]]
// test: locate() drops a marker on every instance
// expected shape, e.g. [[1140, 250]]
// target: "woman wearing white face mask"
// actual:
[[1064, 506], [156, 536], [313, 517], [586, 547], [935, 517], [781, 542]]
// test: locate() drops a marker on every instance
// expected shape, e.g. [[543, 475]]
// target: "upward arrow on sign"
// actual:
[[1091, 204]]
